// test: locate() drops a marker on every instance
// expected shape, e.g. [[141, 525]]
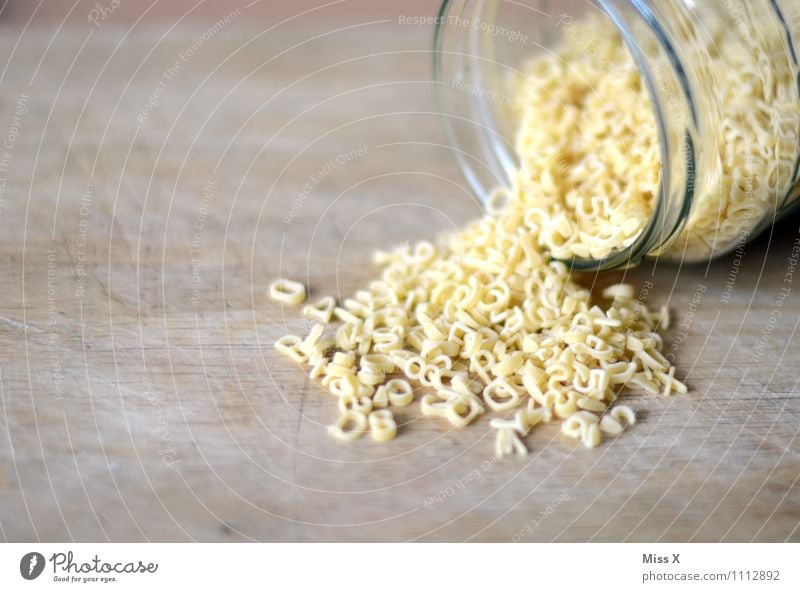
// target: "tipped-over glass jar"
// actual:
[[638, 128]]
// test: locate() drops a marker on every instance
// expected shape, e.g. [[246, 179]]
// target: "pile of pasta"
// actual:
[[488, 320], [589, 149], [482, 322], [589, 162]]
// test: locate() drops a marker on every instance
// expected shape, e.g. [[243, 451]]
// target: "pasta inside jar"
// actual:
[[633, 129]]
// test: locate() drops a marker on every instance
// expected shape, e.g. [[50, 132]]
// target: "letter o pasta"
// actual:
[[287, 291]]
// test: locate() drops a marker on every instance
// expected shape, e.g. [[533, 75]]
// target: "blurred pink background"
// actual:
[[125, 12]]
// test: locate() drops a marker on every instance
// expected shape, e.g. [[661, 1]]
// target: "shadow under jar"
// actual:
[[720, 81]]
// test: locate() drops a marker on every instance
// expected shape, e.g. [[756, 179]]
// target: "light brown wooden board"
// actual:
[[99, 388]]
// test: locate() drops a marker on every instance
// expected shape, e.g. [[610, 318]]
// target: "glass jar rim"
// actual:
[[665, 222]]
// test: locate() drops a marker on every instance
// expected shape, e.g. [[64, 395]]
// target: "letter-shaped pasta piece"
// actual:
[[347, 336], [430, 375], [472, 344], [442, 362], [321, 310], [576, 424], [670, 383], [337, 370], [400, 392], [437, 404], [346, 316], [527, 418], [311, 344], [591, 435], [382, 426], [508, 364], [565, 403], [350, 426], [624, 415], [462, 384], [500, 396], [380, 362], [384, 341], [371, 377], [381, 397], [463, 409], [289, 345], [507, 442], [345, 360], [400, 357], [318, 369], [414, 368], [346, 385], [610, 426], [365, 390], [481, 363], [287, 291], [591, 404]]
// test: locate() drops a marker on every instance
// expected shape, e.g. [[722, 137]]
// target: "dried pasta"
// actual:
[[287, 291], [588, 144], [483, 320], [322, 310], [350, 426], [382, 425]]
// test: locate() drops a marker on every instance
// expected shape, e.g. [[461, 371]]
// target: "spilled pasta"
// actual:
[[485, 320]]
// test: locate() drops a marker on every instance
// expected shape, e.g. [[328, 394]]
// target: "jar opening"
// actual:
[[477, 68]]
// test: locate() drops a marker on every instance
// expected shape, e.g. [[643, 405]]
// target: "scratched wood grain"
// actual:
[[147, 206]]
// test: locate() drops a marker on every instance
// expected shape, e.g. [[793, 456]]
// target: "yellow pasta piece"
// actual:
[[287, 291], [289, 345], [345, 315], [591, 404], [381, 397], [609, 425], [400, 392], [414, 367], [623, 414], [500, 396], [344, 360], [576, 424], [377, 362], [312, 343], [437, 404], [507, 442], [670, 383], [350, 426], [462, 409], [347, 336], [508, 364], [371, 377], [463, 384], [565, 404], [382, 426], [321, 310], [318, 369], [591, 435]]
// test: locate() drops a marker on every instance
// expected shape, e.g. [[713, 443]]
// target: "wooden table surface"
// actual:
[[154, 184]]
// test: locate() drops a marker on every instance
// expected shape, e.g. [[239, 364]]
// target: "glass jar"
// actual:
[[729, 153]]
